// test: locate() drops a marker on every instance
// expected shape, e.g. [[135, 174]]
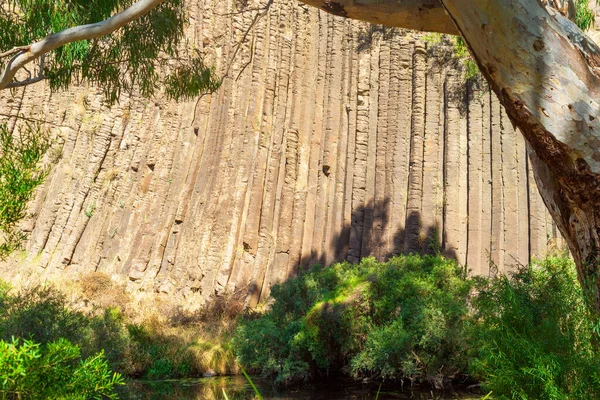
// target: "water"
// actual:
[[239, 389]]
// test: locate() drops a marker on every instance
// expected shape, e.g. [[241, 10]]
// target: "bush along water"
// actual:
[[527, 335], [535, 337], [404, 319], [54, 370], [41, 318]]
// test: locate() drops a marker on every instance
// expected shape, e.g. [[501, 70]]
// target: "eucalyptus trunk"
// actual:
[[546, 72]]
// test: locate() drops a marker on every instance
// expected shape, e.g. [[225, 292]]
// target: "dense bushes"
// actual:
[[536, 339], [401, 320], [152, 349], [53, 371], [527, 335]]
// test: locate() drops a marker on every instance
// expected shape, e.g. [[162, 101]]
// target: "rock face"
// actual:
[[328, 140]]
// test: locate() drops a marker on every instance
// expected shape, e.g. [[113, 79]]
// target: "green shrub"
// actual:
[[108, 332], [396, 320], [41, 314], [584, 17], [20, 174], [150, 350], [160, 355], [53, 371], [535, 336]]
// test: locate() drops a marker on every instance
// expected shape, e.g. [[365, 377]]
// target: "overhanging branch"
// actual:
[[420, 15], [30, 53]]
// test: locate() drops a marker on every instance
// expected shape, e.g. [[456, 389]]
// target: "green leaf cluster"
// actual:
[[584, 17], [43, 315], [53, 371], [20, 174], [536, 337], [403, 319], [525, 335], [146, 54]]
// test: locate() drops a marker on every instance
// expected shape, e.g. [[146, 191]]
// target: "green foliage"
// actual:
[[148, 350], [471, 70], [160, 356], [460, 55], [89, 211], [40, 314], [528, 335], [535, 336], [584, 17], [20, 174], [145, 54], [53, 371], [128, 58], [402, 319]]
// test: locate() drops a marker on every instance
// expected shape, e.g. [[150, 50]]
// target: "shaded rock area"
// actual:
[[329, 140]]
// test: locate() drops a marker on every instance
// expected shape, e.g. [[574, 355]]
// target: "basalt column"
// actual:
[[329, 140]]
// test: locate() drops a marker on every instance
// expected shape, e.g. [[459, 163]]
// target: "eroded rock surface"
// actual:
[[330, 140]]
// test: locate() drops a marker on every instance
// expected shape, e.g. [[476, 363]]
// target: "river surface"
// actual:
[[238, 388]]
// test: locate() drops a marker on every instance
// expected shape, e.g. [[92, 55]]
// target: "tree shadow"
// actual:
[[373, 232], [377, 229], [367, 33]]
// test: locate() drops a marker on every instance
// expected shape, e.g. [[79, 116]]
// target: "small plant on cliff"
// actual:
[[20, 174]]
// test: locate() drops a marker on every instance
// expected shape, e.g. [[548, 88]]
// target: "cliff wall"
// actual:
[[328, 140]]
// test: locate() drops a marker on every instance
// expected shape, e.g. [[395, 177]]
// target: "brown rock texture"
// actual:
[[329, 140]]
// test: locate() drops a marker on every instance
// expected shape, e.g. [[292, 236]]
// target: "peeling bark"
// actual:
[[546, 73]]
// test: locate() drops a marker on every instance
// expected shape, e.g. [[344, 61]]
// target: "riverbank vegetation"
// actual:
[[411, 320], [133, 343], [416, 319]]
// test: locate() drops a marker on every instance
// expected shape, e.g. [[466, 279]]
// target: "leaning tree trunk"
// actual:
[[546, 73]]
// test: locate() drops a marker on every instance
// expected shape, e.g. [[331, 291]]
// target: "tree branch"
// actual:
[[83, 32], [14, 50], [26, 82], [421, 15]]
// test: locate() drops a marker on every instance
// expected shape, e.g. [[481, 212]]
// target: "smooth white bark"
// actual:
[[32, 52], [539, 61], [546, 73], [420, 15]]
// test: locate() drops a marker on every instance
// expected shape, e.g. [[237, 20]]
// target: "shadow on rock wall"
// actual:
[[371, 232]]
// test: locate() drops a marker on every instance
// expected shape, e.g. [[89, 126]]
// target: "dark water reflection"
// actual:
[[239, 389]]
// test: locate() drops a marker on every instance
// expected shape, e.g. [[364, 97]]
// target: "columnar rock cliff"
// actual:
[[328, 140]]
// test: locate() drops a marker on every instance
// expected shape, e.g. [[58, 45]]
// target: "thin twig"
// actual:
[[252, 48], [26, 82], [240, 12], [258, 15], [19, 49], [263, 11]]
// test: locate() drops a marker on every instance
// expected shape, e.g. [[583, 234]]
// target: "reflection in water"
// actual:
[[238, 388]]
